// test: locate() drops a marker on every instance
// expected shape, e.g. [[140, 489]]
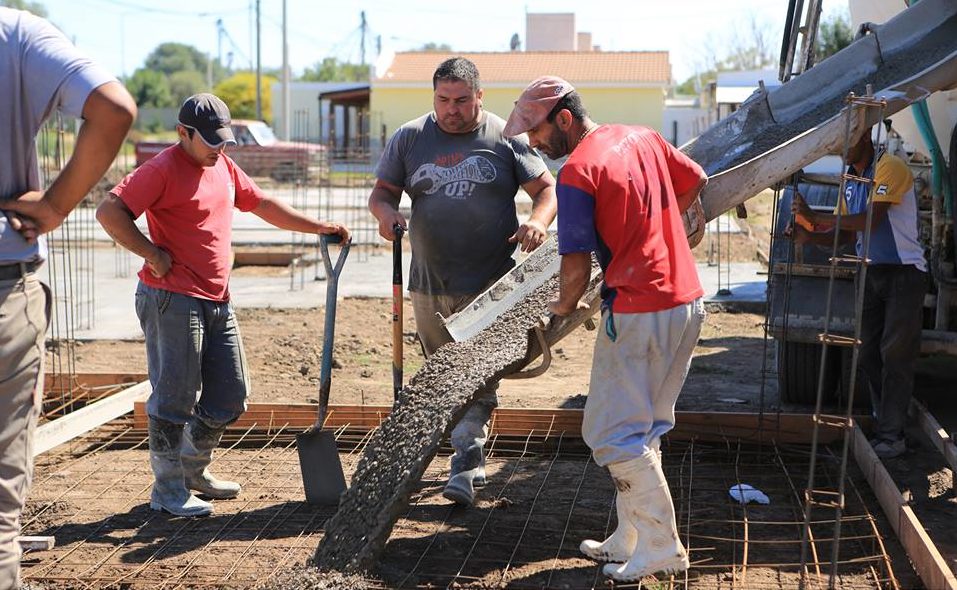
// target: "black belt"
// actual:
[[17, 270]]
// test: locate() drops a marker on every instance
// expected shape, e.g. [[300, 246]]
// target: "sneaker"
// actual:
[[888, 449]]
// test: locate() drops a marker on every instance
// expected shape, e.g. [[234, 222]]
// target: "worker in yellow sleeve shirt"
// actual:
[[895, 285]]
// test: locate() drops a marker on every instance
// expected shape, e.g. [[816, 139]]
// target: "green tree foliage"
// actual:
[[35, 7], [330, 69], [435, 47], [693, 85], [749, 46], [239, 93], [186, 83], [150, 89], [834, 34], [170, 58]]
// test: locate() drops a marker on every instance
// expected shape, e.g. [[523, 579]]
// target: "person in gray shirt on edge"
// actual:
[[41, 72], [462, 175]]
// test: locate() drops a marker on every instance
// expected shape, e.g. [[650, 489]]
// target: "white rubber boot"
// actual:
[[169, 488], [199, 440], [620, 545], [468, 462], [647, 501]]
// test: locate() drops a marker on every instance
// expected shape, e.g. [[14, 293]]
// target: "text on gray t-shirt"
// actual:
[[463, 189]]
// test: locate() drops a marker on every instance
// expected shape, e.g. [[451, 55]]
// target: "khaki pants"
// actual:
[[471, 432], [636, 379], [24, 313]]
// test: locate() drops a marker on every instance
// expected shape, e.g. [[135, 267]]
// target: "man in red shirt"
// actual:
[[194, 351], [621, 194]]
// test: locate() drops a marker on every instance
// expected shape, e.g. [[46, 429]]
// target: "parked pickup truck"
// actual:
[[259, 153]]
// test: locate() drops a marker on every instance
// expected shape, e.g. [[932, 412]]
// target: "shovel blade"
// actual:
[[322, 475]]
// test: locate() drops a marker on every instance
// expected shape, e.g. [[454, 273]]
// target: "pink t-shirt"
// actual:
[[189, 212]]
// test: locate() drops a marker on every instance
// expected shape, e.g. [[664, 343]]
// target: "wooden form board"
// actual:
[[785, 428], [62, 383], [85, 419], [795, 428], [266, 257], [941, 439], [927, 560]]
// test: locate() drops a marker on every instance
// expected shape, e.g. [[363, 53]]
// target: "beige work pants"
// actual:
[[24, 314]]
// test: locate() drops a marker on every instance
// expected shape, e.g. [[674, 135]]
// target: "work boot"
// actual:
[[464, 478], [199, 440], [468, 462], [647, 505], [169, 488], [618, 547], [888, 449]]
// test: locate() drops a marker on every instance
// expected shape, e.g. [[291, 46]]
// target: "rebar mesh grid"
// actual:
[[543, 497]]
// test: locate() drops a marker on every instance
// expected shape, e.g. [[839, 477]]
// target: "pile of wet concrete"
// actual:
[[399, 452]]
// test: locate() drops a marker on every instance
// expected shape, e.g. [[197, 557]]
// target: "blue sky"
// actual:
[[120, 33]]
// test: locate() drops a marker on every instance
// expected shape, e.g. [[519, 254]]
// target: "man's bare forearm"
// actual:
[[119, 224], [108, 114], [573, 280]]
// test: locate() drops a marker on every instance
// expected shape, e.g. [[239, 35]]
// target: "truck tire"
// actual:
[[862, 394], [798, 365], [288, 172]]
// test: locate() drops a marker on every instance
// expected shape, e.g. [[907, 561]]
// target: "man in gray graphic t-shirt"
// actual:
[[462, 175]]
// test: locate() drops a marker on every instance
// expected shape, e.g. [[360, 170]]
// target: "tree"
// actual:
[[239, 93], [330, 69], [150, 89], [186, 83], [749, 49], [170, 58], [34, 7], [431, 47], [834, 34]]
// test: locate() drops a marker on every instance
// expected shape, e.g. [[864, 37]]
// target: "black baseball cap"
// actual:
[[209, 115]]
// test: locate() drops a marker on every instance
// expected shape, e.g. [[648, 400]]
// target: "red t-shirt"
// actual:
[[189, 212], [616, 197]]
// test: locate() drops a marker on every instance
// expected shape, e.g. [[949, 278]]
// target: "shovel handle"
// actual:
[[397, 353], [329, 327]]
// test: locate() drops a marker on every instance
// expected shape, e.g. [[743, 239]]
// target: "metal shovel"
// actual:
[[322, 475]]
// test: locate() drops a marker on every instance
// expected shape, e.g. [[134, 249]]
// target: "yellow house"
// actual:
[[617, 87]]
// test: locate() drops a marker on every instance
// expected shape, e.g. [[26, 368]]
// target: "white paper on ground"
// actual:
[[744, 493]]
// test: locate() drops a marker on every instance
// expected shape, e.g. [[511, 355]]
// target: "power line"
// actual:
[[169, 11]]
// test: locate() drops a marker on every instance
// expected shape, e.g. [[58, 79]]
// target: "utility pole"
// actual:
[[259, 67], [362, 28], [209, 72], [219, 40], [285, 76]]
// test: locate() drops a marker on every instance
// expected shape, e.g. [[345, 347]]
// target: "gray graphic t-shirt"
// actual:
[[463, 200], [40, 72]]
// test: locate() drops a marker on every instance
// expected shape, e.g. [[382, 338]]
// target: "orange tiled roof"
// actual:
[[521, 67]]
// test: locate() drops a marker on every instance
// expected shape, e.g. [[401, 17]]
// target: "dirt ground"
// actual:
[[284, 349], [732, 370]]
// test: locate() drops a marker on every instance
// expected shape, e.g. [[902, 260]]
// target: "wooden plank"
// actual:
[[68, 427], [61, 382], [266, 257], [28, 543], [785, 428], [927, 560], [936, 433]]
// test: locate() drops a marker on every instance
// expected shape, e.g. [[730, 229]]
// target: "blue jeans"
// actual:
[[195, 358]]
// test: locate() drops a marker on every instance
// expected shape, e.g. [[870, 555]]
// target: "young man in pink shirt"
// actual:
[[194, 352], [621, 195]]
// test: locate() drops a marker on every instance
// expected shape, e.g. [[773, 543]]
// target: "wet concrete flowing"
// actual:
[[402, 448]]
